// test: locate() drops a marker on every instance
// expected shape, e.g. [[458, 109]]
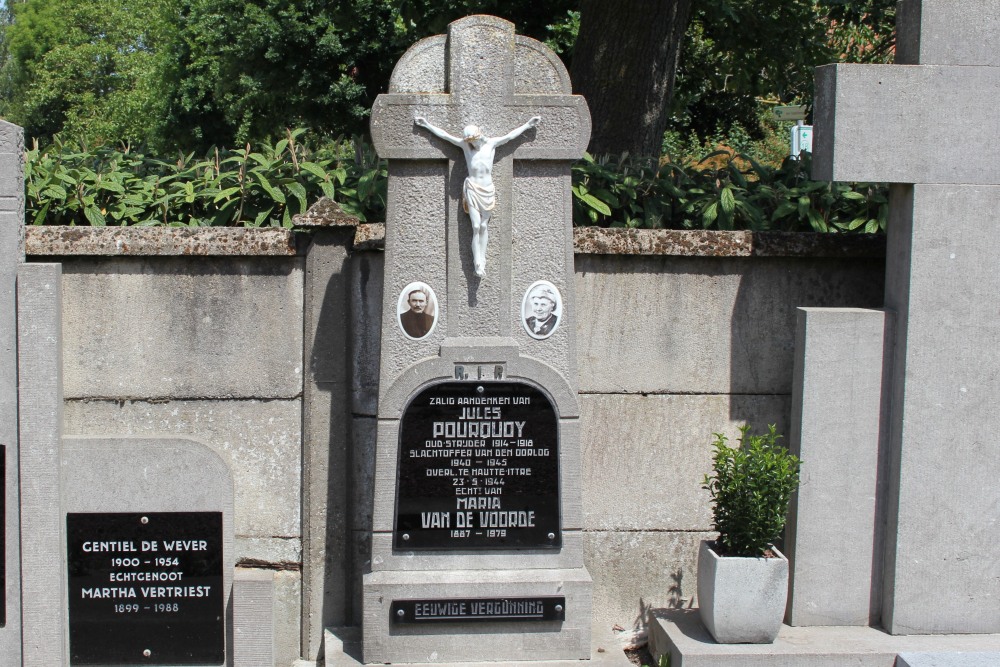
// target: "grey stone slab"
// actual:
[[253, 618], [944, 32], [11, 167], [343, 649], [10, 172], [384, 558], [183, 328], [267, 617], [912, 110], [13, 206], [955, 659], [326, 435], [680, 634], [635, 571], [645, 456], [39, 419], [942, 554], [11, 255], [102, 474], [279, 552], [59, 241], [288, 619], [417, 191], [259, 440], [705, 325], [361, 552], [366, 282], [509, 642], [344, 646], [364, 435], [715, 243], [838, 419], [542, 209]]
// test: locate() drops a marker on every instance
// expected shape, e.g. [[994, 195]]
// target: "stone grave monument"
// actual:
[[894, 525], [941, 571], [477, 549]]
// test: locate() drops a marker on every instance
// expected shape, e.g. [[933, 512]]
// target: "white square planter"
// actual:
[[742, 600]]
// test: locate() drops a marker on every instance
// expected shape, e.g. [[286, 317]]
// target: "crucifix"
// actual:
[[473, 81], [478, 191]]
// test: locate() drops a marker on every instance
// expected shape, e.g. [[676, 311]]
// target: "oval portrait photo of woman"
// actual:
[[416, 310], [541, 309]]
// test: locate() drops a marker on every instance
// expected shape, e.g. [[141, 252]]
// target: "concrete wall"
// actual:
[[272, 361], [674, 350], [209, 347]]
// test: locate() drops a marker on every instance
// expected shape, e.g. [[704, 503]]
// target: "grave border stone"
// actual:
[[11, 256], [39, 303]]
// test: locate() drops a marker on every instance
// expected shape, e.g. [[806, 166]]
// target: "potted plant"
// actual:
[[742, 577]]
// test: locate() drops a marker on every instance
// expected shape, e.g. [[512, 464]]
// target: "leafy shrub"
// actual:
[[72, 184], [723, 191], [750, 486]]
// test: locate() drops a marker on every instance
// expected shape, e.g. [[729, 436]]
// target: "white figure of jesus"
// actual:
[[478, 192]]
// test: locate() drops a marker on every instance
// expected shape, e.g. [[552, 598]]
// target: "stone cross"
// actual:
[[930, 129], [478, 85]]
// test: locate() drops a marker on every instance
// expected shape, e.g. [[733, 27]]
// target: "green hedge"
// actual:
[[69, 183], [73, 184], [724, 191]]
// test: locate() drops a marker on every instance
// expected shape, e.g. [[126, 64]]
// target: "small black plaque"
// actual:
[[478, 469], [477, 610], [146, 588]]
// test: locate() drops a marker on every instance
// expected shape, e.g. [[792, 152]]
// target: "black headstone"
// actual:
[[478, 468], [146, 588]]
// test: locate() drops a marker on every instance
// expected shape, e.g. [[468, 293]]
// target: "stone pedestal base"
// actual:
[[679, 634], [494, 641]]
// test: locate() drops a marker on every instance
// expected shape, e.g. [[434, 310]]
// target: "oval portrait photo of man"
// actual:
[[416, 310], [541, 309]]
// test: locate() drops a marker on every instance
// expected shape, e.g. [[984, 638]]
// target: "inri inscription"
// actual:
[[145, 588], [478, 468]]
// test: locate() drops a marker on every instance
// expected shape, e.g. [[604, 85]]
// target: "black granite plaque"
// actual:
[[146, 588], [475, 610], [478, 469]]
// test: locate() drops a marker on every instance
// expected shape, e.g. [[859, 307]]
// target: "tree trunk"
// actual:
[[624, 63]]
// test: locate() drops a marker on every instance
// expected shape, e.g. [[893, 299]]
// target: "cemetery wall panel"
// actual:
[[183, 328], [705, 325], [273, 361], [210, 347]]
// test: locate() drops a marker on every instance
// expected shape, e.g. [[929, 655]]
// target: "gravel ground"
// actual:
[[640, 657]]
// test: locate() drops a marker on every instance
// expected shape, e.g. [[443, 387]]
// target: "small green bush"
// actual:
[[750, 486]]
